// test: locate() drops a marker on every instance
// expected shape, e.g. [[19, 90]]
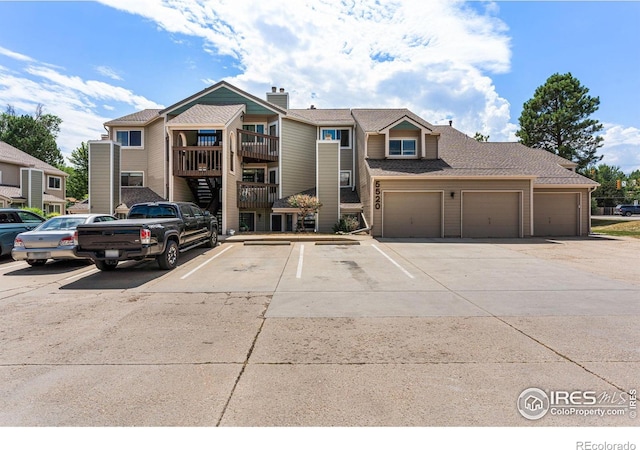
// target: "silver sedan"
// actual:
[[53, 239]]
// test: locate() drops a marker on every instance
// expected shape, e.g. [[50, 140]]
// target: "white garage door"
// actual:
[[556, 214], [491, 214], [412, 214]]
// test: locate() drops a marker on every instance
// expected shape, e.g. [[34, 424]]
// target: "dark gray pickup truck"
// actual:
[[159, 230]]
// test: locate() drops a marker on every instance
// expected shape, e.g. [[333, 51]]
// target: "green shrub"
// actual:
[[346, 225]]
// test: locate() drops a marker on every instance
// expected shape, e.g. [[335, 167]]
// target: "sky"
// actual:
[[475, 63]]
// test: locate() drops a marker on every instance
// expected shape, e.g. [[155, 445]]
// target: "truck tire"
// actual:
[[213, 239], [168, 260], [106, 266]]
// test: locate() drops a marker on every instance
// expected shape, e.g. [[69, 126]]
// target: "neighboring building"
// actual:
[[27, 181], [241, 157]]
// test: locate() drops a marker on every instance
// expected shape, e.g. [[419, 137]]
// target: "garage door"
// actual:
[[491, 214], [556, 214], [412, 214]]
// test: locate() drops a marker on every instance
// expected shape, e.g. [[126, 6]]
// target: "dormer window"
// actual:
[[402, 147]]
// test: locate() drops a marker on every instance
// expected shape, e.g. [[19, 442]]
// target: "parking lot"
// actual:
[[365, 333]]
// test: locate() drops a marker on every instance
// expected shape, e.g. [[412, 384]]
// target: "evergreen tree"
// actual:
[[78, 181], [557, 119]]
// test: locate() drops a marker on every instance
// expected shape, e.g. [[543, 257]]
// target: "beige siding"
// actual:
[[328, 185], [99, 177], [230, 188], [375, 146], [363, 179], [60, 193], [452, 205], [10, 174], [37, 189], [346, 162], [431, 144], [24, 183], [585, 206], [298, 157], [154, 147], [115, 180], [181, 191]]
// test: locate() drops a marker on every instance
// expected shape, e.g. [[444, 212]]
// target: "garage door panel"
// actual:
[[556, 214], [491, 214], [412, 214]]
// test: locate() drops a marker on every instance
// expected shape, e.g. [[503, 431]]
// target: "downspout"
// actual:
[[366, 228]]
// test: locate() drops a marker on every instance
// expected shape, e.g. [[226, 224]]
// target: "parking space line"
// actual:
[[393, 262], [300, 261], [12, 266], [86, 272], [204, 263]]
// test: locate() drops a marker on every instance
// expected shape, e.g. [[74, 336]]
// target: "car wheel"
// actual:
[[213, 239], [36, 262], [106, 265], [168, 260], [627, 214]]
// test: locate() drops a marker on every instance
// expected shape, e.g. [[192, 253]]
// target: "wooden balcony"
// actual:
[[258, 146], [197, 161], [256, 195]]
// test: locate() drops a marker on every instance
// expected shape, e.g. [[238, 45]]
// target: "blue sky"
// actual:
[[475, 62]]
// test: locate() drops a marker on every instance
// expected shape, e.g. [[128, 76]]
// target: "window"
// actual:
[[54, 208], [209, 138], [130, 179], [27, 217], [129, 138], [402, 147], [342, 134], [345, 178], [254, 128], [54, 182]]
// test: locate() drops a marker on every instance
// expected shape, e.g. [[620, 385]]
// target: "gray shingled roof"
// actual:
[[130, 195], [139, 118], [462, 156], [207, 114], [374, 120], [11, 155], [15, 193], [323, 117]]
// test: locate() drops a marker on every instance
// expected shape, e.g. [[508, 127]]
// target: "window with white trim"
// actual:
[[402, 147], [345, 178], [132, 179], [129, 138], [54, 208], [338, 134], [54, 182]]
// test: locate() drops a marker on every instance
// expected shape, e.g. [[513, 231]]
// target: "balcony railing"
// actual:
[[197, 161], [256, 195], [258, 146]]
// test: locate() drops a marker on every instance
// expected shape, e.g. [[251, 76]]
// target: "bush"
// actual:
[[346, 225]]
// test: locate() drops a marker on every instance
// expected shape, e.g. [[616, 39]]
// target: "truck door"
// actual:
[[190, 224], [203, 222]]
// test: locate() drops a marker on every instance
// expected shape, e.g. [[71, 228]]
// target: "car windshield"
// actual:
[[61, 223]]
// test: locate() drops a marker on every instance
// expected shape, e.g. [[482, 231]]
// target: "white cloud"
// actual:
[[74, 100], [433, 57], [108, 72], [14, 55], [621, 147]]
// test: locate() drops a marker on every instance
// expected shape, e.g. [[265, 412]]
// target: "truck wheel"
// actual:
[[36, 262], [169, 258], [213, 239], [106, 265]]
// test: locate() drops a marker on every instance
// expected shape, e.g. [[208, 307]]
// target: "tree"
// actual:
[[481, 137], [306, 204], [557, 119], [608, 194], [78, 181], [35, 135]]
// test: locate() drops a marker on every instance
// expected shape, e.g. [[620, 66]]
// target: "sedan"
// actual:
[[54, 239]]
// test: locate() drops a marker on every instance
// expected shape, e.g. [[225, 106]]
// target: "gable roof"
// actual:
[[323, 117], [11, 155], [376, 120], [462, 156], [138, 119], [207, 115], [218, 86], [130, 195]]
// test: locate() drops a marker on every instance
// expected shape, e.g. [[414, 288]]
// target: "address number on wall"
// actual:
[[378, 196]]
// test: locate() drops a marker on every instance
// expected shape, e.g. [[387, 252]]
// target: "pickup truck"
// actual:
[[159, 230]]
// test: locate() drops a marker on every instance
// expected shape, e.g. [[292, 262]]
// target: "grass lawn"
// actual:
[[614, 227]]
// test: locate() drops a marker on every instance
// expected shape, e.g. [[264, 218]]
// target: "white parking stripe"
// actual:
[[393, 262], [86, 272], [205, 263], [12, 266], [300, 261]]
